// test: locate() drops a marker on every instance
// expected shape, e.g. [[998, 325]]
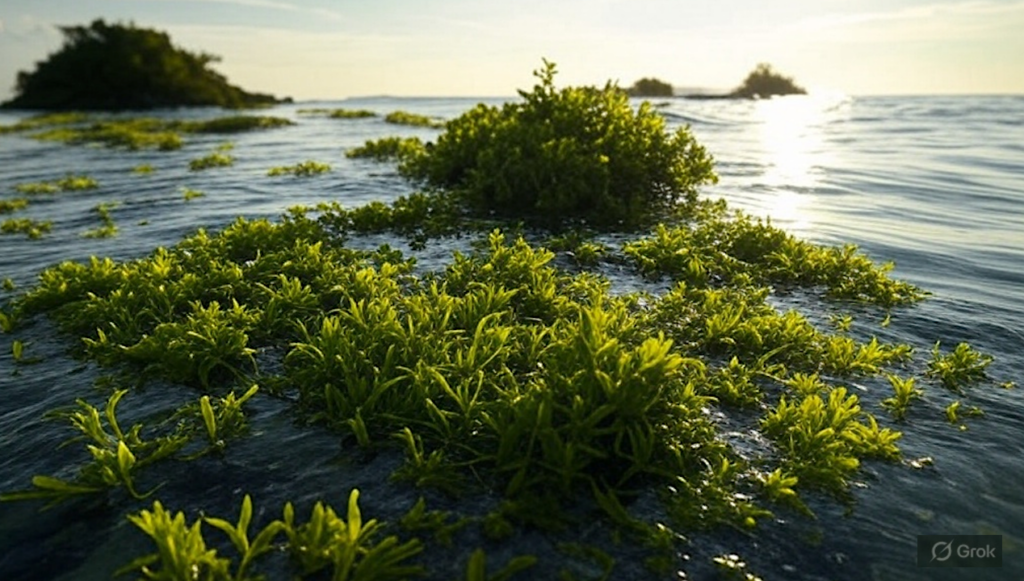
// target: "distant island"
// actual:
[[763, 82], [115, 67], [650, 87]]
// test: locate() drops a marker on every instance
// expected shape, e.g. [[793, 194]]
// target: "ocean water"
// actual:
[[935, 184]]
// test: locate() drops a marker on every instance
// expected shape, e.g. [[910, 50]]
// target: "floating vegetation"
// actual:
[[406, 118], [69, 183], [133, 133], [109, 228], [339, 113], [960, 368], [232, 124], [27, 226], [904, 392], [563, 156], [190, 194], [117, 456], [389, 149], [722, 249], [11, 206], [348, 548], [143, 169], [305, 168], [44, 120], [215, 159], [151, 133]]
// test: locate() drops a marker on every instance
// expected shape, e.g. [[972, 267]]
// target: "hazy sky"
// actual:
[[337, 48]]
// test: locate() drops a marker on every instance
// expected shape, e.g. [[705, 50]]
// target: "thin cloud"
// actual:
[[937, 21], [272, 5]]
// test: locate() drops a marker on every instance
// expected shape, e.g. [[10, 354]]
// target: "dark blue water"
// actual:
[[935, 184]]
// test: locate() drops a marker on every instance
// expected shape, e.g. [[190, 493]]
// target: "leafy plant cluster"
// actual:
[[109, 227], [413, 119], [565, 155], [728, 249], [348, 548], [30, 227], [11, 206], [118, 66], [339, 113], [117, 456], [539, 380], [305, 168], [68, 183]]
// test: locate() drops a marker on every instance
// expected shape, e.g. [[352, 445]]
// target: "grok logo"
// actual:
[[942, 551]]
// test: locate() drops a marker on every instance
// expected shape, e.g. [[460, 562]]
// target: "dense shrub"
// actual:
[[565, 155], [117, 66]]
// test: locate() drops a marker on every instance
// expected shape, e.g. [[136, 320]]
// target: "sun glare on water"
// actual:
[[793, 143]]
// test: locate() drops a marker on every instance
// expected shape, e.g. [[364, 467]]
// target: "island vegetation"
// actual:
[[764, 82], [650, 87], [121, 66]]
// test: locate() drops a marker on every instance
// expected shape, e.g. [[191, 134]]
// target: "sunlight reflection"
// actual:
[[794, 152]]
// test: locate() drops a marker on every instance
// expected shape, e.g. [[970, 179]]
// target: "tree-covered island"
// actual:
[[116, 66]]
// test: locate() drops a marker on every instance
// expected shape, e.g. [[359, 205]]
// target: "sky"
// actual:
[[332, 49]]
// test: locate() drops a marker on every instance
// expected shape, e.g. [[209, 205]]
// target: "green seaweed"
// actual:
[[413, 119], [305, 168], [32, 228], [11, 206], [216, 159]]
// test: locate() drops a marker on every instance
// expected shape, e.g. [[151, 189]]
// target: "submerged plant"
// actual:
[[143, 169]]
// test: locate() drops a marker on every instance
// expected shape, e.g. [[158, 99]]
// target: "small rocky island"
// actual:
[[116, 67]]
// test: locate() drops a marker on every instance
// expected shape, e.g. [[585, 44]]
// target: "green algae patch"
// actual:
[[564, 157], [215, 159], [389, 149], [108, 229], [69, 183], [29, 227], [39, 121], [338, 113], [302, 169], [135, 133], [11, 206], [412, 119], [233, 124]]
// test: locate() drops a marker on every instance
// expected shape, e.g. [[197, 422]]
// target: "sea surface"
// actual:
[[935, 184]]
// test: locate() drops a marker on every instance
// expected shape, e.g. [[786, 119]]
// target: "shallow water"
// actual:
[[932, 183]]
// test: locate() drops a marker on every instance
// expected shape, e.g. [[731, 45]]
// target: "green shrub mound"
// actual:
[[764, 82], [566, 155], [115, 66]]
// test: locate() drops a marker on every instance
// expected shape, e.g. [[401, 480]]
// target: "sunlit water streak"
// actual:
[[931, 183]]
